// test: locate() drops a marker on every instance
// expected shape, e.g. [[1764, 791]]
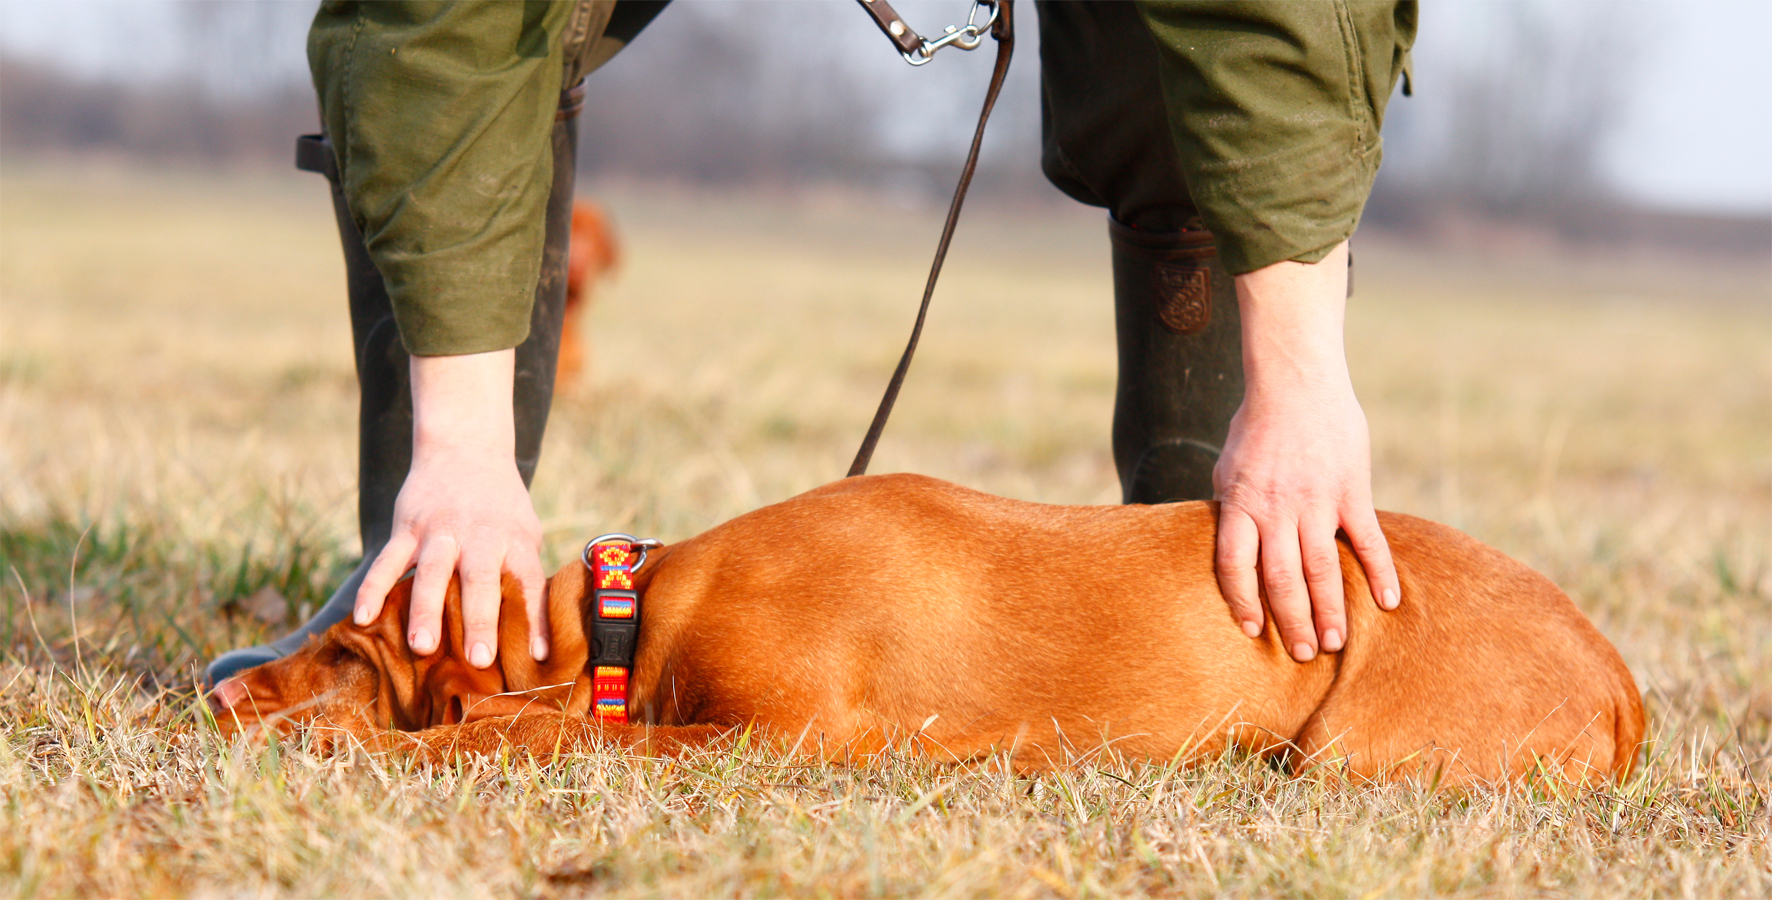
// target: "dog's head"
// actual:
[[358, 679], [329, 681]]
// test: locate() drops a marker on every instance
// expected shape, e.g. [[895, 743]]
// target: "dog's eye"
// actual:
[[332, 654]]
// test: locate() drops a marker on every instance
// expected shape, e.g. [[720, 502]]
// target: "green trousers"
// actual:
[[1105, 130]]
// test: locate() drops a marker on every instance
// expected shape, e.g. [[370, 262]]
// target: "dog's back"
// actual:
[[882, 609]]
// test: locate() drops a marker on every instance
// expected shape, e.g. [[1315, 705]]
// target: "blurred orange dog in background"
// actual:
[[594, 254]]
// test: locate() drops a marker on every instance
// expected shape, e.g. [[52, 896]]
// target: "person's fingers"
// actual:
[[1238, 552], [1322, 576], [479, 605], [1374, 552], [436, 562], [1287, 597], [526, 567], [389, 565]]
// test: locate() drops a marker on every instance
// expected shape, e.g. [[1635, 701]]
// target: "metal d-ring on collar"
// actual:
[[640, 544], [918, 50]]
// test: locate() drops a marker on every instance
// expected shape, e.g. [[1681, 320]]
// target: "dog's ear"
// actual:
[[569, 600], [561, 679], [513, 629], [382, 643], [569, 592], [456, 692]]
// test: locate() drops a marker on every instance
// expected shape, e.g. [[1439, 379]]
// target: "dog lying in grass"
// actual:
[[904, 612]]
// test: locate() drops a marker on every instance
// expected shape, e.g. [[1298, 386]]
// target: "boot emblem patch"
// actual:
[[1186, 304]]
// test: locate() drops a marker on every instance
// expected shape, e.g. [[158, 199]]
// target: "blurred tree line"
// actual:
[[794, 94], [773, 94], [233, 99], [1522, 119]]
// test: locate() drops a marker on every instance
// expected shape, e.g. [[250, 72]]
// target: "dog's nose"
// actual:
[[227, 695]]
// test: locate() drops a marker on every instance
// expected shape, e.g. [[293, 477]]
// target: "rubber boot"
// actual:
[[1181, 362], [384, 422]]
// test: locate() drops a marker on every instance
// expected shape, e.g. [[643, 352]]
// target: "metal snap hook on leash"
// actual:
[[640, 544], [967, 38], [918, 50]]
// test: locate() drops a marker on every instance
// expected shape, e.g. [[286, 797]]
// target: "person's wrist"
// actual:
[[1292, 332], [470, 439], [462, 408]]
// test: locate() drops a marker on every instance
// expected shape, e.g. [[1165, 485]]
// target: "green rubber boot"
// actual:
[[1181, 362]]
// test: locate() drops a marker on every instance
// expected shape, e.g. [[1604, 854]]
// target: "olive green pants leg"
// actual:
[[1106, 142], [384, 413]]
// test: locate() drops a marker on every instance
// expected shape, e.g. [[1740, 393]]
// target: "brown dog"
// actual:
[[903, 611], [593, 253]]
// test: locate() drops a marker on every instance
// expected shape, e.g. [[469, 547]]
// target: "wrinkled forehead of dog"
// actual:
[[325, 673], [339, 650]]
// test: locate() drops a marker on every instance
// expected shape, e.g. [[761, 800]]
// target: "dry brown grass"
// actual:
[[176, 418]]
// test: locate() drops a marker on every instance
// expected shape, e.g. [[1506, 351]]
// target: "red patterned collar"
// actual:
[[613, 622]]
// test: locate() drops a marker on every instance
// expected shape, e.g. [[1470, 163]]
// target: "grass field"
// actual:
[[177, 409]]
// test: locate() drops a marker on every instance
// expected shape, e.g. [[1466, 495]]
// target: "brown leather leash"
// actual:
[[917, 51]]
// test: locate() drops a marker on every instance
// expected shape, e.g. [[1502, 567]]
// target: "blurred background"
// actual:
[[1565, 172], [1597, 121]]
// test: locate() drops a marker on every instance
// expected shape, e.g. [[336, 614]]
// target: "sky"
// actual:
[[1697, 126], [1696, 133], [1699, 132]]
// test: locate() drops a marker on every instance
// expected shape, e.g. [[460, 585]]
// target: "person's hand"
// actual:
[[463, 508], [1297, 464]]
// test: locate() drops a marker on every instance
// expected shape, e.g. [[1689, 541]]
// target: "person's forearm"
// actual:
[[1275, 109]]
